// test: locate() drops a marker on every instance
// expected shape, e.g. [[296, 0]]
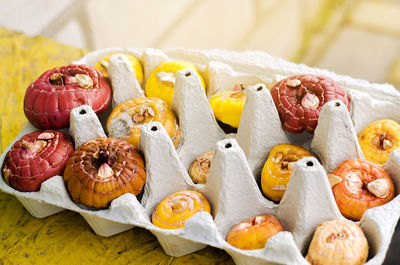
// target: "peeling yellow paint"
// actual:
[[23, 59]]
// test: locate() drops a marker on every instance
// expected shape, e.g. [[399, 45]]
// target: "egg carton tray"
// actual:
[[231, 188]]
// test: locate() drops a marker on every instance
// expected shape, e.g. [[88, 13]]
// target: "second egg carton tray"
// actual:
[[231, 188]]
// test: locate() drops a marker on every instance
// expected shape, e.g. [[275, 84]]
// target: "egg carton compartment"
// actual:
[[231, 188], [222, 77]]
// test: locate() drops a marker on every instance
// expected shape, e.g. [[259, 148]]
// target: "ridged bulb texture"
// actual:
[[173, 211], [49, 100], [36, 157], [137, 67], [126, 120], [103, 169], [228, 105], [200, 168], [254, 232], [361, 185], [379, 139], [161, 82], [338, 242], [277, 170], [299, 100]]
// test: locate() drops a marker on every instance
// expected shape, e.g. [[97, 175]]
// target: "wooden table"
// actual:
[[64, 238]]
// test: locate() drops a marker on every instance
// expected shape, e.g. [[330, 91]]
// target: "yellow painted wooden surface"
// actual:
[[64, 238]]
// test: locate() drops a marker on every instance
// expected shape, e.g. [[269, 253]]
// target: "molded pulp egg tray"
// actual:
[[231, 188]]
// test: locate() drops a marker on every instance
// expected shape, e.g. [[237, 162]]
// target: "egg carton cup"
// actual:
[[231, 188]]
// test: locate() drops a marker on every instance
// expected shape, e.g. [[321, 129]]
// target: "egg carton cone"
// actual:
[[231, 188], [366, 109], [328, 144]]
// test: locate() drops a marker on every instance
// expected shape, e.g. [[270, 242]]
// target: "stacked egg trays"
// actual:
[[231, 188]]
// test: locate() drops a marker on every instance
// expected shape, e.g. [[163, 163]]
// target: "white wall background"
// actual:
[[355, 37]]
